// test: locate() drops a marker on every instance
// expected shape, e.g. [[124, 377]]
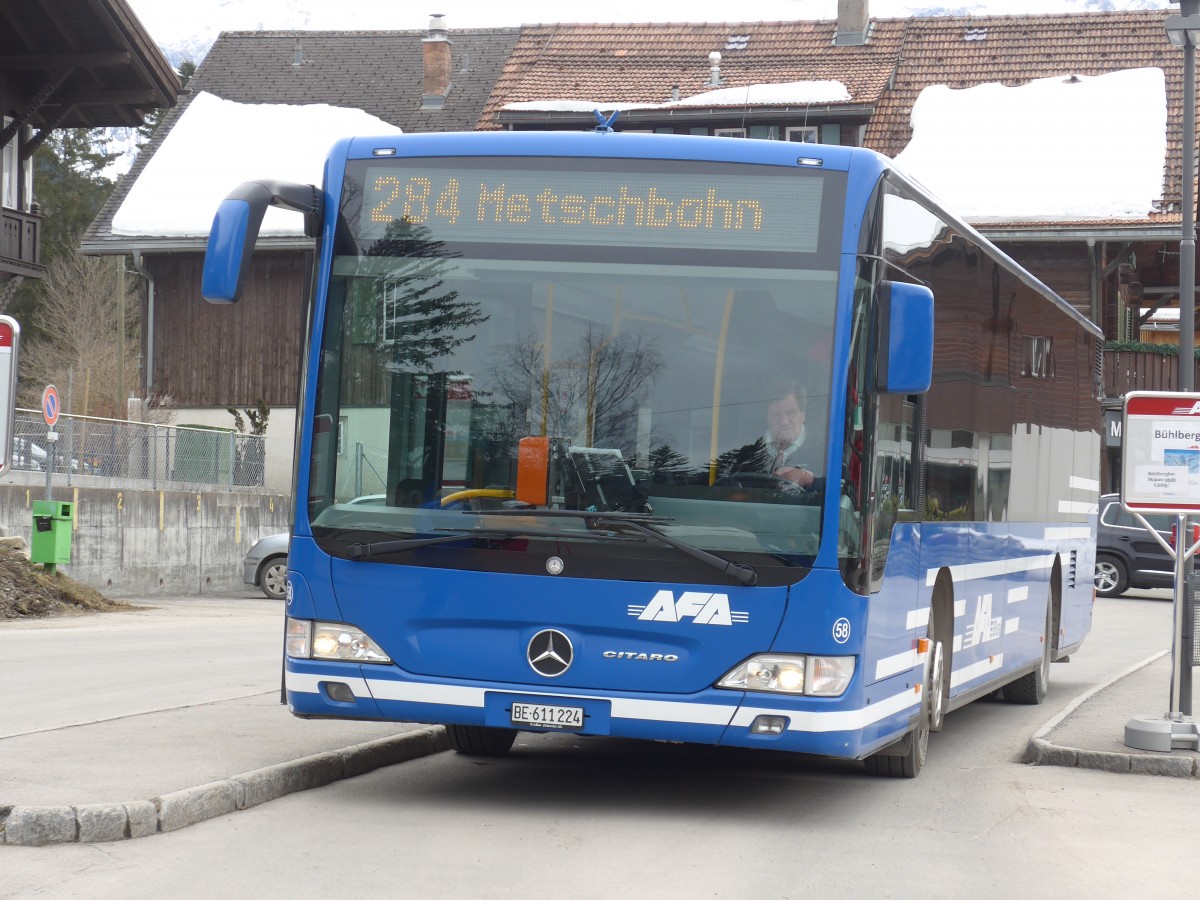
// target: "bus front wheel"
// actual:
[[477, 740], [906, 758]]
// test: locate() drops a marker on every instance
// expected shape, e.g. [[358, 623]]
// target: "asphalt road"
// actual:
[[604, 818]]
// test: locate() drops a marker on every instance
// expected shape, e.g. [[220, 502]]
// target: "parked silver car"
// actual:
[[265, 565]]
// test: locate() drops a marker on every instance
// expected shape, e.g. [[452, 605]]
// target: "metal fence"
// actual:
[[89, 450]]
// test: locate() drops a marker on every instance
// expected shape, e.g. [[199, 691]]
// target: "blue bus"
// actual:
[[735, 442]]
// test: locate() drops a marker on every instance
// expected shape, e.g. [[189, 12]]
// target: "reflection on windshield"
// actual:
[[451, 381]]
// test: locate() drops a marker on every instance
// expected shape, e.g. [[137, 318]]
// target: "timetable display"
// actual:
[[616, 208]]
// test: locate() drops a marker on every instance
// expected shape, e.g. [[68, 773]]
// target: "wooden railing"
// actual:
[[1136, 370], [20, 243]]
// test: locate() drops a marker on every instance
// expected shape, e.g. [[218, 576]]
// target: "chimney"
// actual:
[[436, 53], [853, 23], [714, 68]]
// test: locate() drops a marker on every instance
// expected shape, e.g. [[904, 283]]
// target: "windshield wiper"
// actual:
[[639, 522], [381, 548]]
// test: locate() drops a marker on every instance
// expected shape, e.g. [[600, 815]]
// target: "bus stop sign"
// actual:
[[1161, 468], [10, 338], [50, 405]]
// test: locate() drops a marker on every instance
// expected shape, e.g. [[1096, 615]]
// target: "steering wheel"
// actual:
[[761, 480]]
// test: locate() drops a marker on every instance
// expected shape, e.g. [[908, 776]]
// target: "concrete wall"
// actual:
[[142, 541]]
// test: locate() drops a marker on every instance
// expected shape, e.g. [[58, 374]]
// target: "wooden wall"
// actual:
[[208, 354]]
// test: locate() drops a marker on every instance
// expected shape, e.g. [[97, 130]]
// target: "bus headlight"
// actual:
[[814, 676], [332, 641]]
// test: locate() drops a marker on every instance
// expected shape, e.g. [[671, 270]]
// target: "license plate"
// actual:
[[547, 716]]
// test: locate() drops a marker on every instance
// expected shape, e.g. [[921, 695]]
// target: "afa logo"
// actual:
[[702, 608]]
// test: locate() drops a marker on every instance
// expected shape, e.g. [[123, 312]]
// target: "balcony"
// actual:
[[1139, 370], [20, 244]]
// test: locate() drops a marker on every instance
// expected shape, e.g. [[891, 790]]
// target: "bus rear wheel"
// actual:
[[477, 740], [1030, 689]]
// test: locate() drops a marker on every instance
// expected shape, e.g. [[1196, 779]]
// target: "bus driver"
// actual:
[[786, 439]]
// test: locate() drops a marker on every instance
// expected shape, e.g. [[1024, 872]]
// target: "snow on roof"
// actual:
[[789, 93], [217, 144], [1047, 150], [1059, 149]]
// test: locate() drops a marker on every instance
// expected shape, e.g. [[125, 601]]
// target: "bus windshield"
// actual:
[[626, 336]]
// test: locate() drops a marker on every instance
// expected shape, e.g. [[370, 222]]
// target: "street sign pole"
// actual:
[[1161, 474], [50, 411]]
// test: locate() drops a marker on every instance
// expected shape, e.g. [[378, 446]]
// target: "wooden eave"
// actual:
[[81, 64]]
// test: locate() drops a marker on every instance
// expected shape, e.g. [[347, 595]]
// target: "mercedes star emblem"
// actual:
[[550, 653]]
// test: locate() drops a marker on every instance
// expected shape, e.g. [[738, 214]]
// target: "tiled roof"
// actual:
[[641, 63], [962, 51], [379, 72]]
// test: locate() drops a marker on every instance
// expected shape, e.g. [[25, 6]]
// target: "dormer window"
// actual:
[[805, 134]]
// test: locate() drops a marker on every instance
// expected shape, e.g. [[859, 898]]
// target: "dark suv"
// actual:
[[1127, 555]]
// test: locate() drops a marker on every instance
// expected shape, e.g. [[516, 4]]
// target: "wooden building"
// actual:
[[64, 64], [732, 79], [251, 351]]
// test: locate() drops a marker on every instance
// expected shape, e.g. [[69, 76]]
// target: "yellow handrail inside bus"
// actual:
[[474, 493]]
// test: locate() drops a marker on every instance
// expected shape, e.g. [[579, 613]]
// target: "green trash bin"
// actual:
[[51, 542]]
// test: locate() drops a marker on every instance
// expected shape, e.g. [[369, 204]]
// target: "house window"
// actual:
[[807, 134], [1036, 360], [10, 171], [730, 132]]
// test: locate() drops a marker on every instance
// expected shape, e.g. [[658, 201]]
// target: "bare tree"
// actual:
[[589, 394], [75, 334]]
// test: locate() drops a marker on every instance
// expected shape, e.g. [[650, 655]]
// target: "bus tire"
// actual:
[[906, 758], [1030, 689], [477, 740]]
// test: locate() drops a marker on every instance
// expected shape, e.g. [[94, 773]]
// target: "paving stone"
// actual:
[[101, 822], [35, 826]]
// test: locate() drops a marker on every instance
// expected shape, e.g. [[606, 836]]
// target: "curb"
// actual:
[[1043, 752], [35, 826]]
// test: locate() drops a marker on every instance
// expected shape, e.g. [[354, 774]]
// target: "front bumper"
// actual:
[[250, 570], [842, 727]]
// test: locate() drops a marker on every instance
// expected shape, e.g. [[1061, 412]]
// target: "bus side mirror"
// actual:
[[235, 230], [904, 338]]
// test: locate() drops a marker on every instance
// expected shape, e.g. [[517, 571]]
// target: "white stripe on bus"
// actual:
[[976, 670], [1011, 625], [1069, 533], [1077, 506], [973, 571], [917, 618], [622, 708], [893, 665], [1017, 594], [1079, 483], [842, 720]]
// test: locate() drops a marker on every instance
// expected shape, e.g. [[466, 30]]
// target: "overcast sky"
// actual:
[[173, 23]]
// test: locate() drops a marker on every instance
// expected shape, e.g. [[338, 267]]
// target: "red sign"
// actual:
[[7, 336], [50, 407]]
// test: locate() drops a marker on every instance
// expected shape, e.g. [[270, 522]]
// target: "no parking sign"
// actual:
[[50, 406]]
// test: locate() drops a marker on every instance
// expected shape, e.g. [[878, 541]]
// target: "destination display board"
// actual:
[[715, 210]]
